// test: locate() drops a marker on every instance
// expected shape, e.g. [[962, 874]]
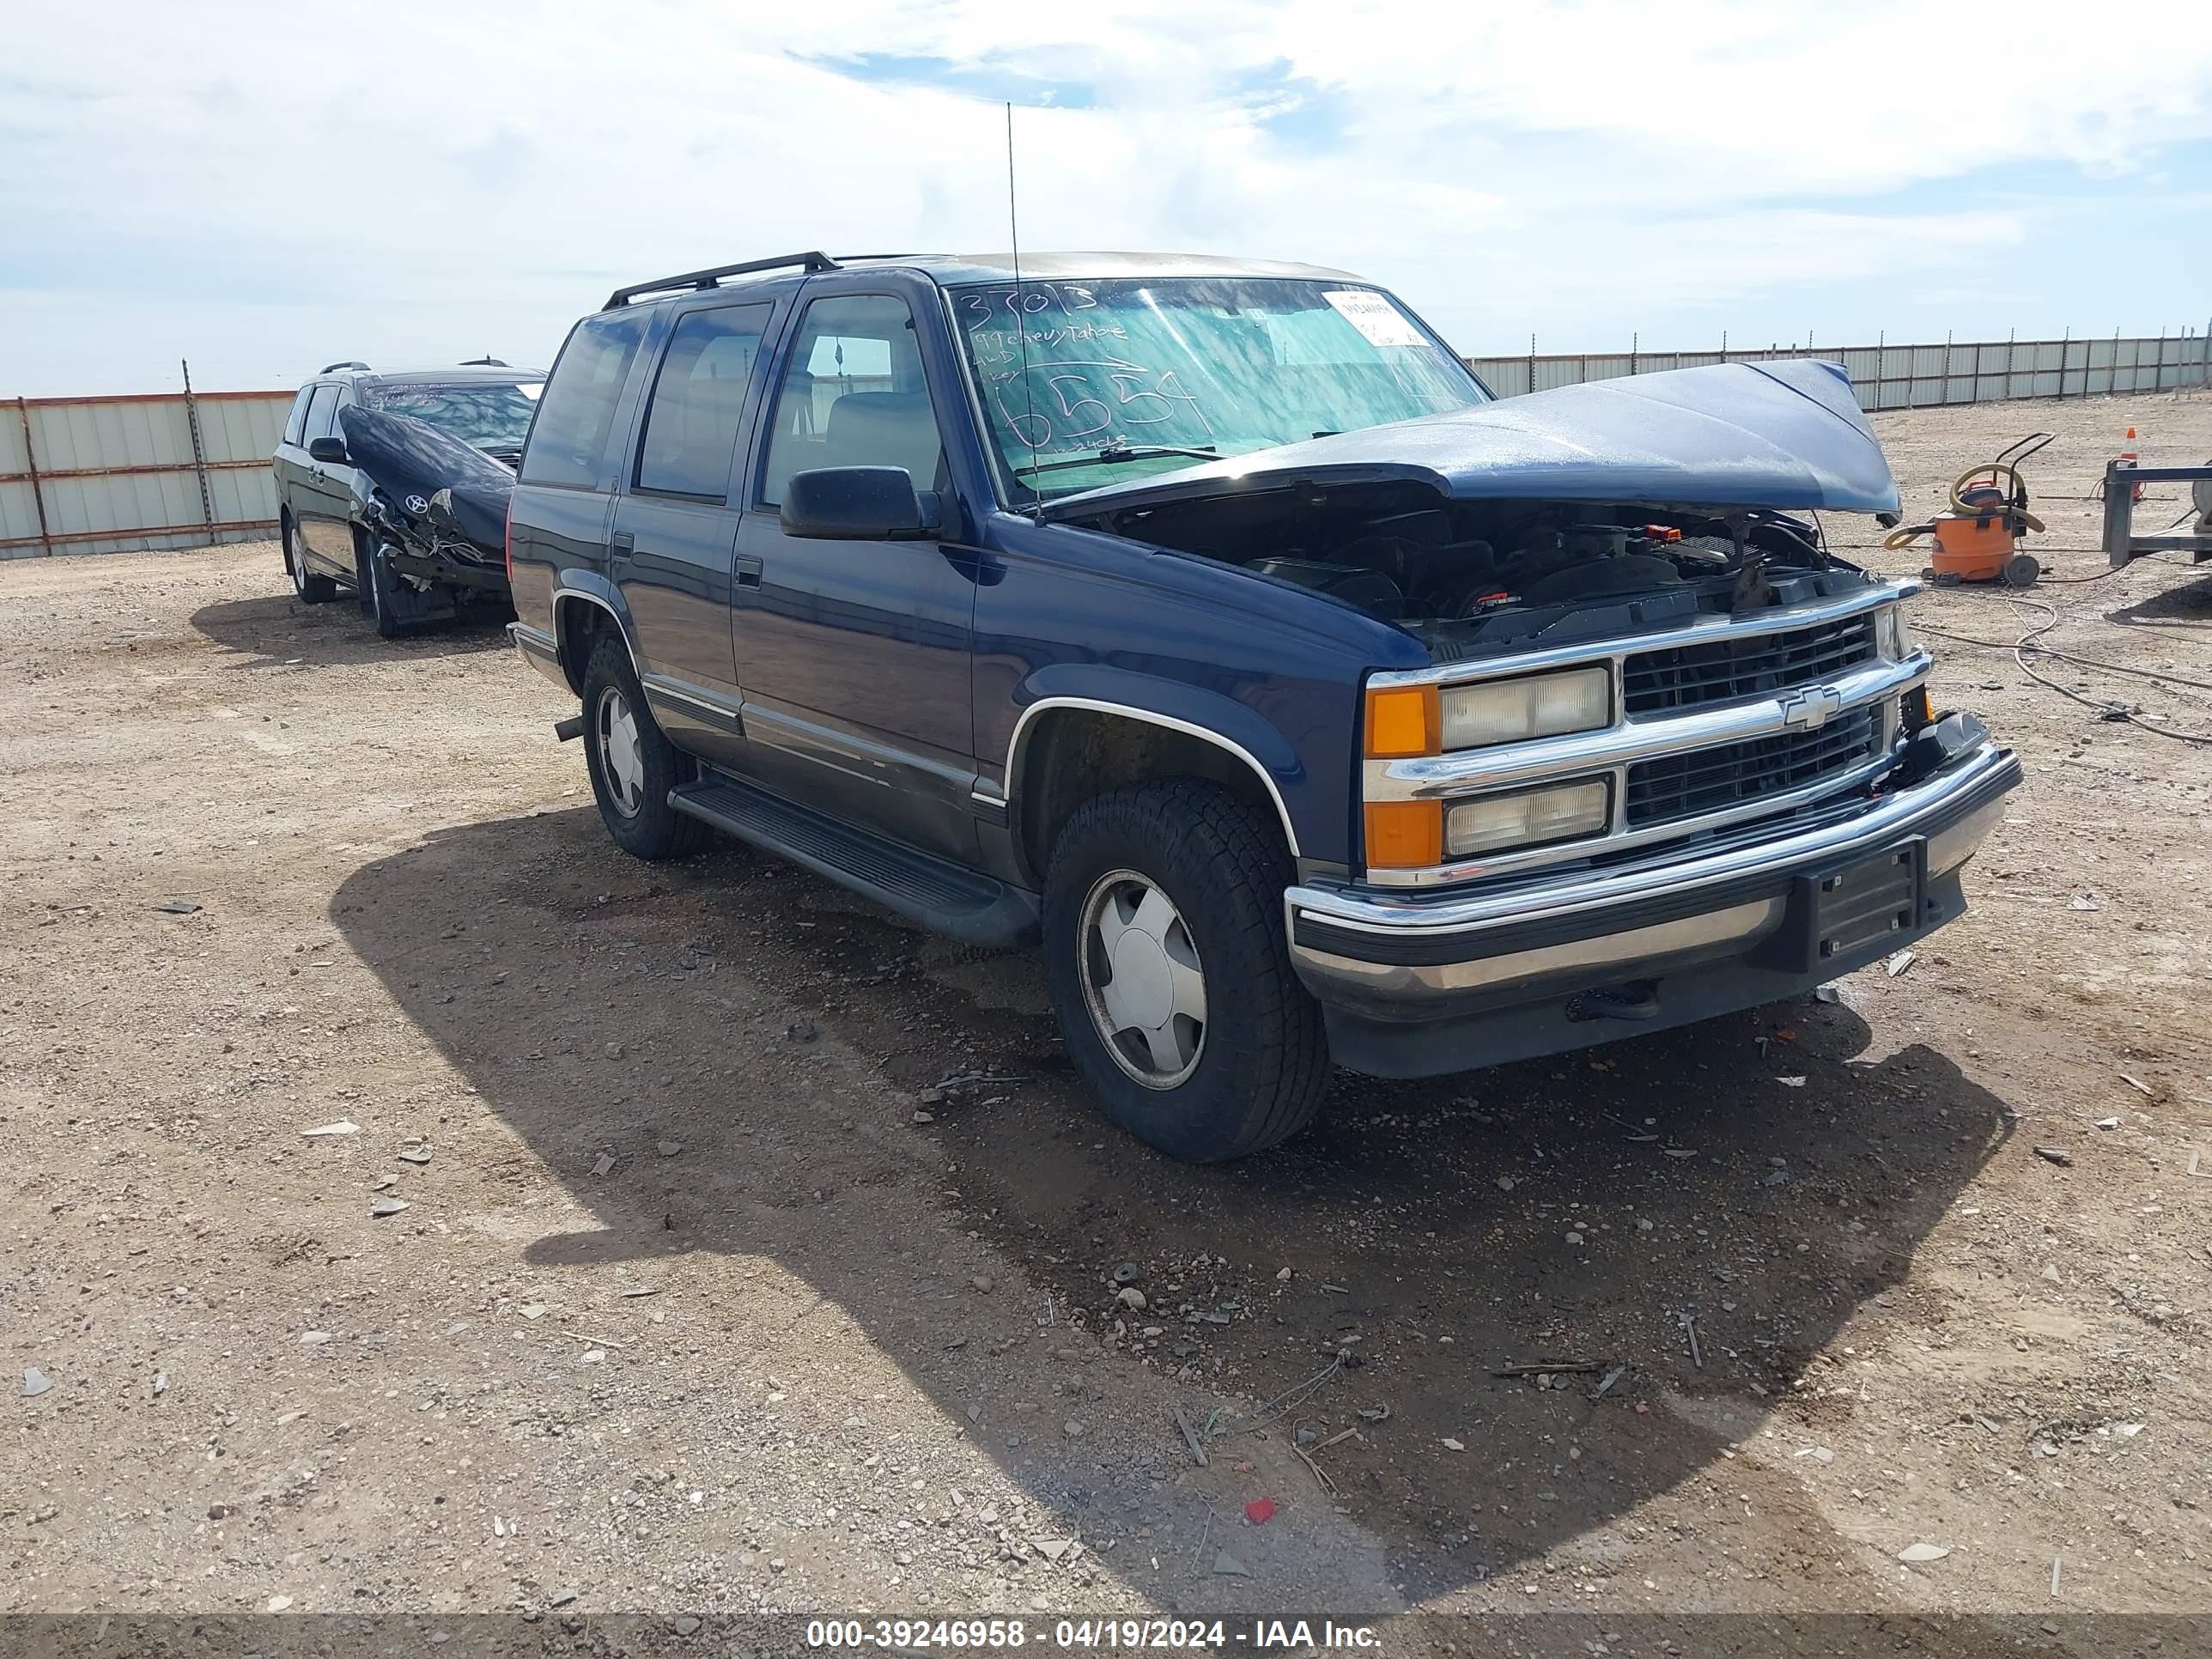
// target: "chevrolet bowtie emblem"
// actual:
[[1811, 708]]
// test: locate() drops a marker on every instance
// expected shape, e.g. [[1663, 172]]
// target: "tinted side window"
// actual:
[[568, 439], [852, 395], [322, 412], [691, 424], [295, 423]]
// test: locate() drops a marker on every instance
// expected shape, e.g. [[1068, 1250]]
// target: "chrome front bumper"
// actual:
[[1377, 958]]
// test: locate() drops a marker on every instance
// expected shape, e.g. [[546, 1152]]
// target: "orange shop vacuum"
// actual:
[[1978, 539]]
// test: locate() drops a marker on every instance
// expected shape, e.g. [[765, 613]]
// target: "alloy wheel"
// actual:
[[1142, 979], [614, 728]]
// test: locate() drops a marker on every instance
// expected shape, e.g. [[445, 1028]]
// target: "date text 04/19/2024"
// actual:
[[1261, 1635]]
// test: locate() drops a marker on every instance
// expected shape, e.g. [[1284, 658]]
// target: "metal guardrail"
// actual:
[[1909, 376]]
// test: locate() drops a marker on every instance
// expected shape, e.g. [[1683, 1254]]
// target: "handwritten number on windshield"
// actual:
[[1082, 398], [1060, 383], [1074, 389]]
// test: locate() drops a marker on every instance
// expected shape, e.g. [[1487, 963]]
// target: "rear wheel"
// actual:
[[1164, 942], [633, 766], [311, 589]]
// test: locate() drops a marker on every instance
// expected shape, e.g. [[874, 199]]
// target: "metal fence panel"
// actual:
[[107, 475], [102, 475], [1911, 375]]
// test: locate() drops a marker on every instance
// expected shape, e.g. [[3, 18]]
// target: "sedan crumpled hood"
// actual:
[[1785, 436], [410, 458]]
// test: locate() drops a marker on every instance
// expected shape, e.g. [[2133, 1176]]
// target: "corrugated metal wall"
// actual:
[[1908, 376], [107, 475], [117, 475]]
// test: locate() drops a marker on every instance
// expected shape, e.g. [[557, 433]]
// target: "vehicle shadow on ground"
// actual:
[[279, 630], [1756, 1171], [2186, 598]]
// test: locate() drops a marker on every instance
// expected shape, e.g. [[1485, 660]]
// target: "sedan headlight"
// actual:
[[1538, 705], [1890, 637], [1527, 818]]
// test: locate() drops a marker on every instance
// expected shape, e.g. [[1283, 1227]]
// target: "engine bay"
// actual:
[[1469, 578]]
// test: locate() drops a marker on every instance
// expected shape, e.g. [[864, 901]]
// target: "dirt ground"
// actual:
[[760, 1251]]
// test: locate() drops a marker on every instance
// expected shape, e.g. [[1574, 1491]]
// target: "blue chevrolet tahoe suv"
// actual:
[[1208, 625]]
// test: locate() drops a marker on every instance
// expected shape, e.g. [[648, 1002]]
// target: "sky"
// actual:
[[262, 190]]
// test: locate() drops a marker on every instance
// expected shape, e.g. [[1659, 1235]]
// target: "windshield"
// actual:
[[1120, 370], [493, 417]]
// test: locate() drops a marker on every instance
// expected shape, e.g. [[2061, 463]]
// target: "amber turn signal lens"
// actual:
[[1403, 720], [1914, 706], [1405, 835]]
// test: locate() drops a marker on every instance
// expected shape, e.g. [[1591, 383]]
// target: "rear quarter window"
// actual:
[[295, 424], [575, 414]]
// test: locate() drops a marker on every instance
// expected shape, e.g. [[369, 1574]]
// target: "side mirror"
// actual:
[[857, 504], [331, 451]]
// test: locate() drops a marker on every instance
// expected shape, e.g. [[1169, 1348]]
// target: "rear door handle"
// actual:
[[749, 571], [625, 542]]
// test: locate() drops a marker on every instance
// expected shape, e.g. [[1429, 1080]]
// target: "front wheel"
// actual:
[[1163, 943], [379, 591]]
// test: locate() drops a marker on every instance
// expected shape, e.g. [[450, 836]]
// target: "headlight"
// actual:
[[1540, 706], [1528, 819], [1890, 637]]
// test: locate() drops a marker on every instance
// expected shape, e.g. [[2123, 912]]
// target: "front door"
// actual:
[[675, 540], [853, 654]]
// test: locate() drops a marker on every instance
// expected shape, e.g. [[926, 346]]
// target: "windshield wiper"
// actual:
[[1114, 452]]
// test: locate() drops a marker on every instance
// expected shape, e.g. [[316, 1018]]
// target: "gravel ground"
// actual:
[[759, 1252]]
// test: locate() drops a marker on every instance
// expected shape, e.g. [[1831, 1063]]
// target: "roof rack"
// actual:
[[815, 261], [486, 362], [332, 368]]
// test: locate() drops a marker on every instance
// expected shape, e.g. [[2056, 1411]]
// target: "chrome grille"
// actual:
[[1686, 677], [1733, 774]]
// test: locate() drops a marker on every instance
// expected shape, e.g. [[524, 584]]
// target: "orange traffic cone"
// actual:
[[2127, 457]]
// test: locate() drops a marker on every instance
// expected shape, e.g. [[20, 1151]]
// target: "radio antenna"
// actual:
[[1021, 316]]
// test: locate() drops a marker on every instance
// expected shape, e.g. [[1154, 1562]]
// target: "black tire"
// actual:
[[637, 815], [379, 588], [1262, 1060], [311, 588]]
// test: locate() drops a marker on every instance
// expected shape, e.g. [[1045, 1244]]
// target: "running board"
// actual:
[[961, 904]]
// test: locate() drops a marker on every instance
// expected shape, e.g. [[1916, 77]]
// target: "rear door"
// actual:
[[674, 548], [855, 654], [289, 463], [324, 499]]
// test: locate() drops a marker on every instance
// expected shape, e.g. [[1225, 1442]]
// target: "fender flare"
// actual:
[[585, 587], [1190, 710]]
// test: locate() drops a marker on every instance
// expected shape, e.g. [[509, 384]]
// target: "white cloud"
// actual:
[[270, 187]]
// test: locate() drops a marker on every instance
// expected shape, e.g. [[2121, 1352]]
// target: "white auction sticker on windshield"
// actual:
[[1381, 323]]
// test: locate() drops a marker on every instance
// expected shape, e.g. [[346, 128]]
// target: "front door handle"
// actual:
[[625, 542], [749, 571]]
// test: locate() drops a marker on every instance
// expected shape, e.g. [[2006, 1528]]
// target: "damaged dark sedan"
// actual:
[[1208, 625], [394, 485]]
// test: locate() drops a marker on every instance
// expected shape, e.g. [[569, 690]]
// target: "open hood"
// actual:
[[1785, 436]]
